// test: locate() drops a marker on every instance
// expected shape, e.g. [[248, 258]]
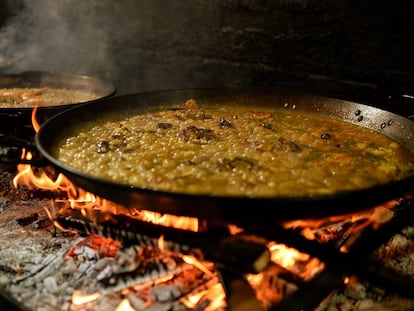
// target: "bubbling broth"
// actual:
[[237, 151]]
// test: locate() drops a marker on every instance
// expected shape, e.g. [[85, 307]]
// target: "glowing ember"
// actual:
[[124, 306], [105, 247], [79, 298], [196, 263], [214, 295], [285, 256], [374, 217], [187, 223], [292, 260], [192, 281]]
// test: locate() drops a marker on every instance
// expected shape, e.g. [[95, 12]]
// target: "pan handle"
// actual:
[[409, 98], [404, 102]]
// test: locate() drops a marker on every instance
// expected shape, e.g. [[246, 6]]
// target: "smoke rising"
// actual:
[[60, 36]]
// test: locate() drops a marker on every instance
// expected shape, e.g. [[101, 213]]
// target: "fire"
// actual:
[[35, 123], [79, 298], [293, 260], [188, 259], [105, 247], [214, 295], [284, 255], [196, 263], [27, 177], [182, 222], [209, 293], [374, 217], [78, 198], [124, 306]]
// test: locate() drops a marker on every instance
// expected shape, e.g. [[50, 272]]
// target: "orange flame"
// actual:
[[124, 306], [292, 260], [211, 291], [79, 297], [35, 123], [374, 217], [78, 198], [27, 177], [215, 294], [196, 263]]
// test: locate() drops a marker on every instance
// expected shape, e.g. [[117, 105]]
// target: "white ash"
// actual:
[[398, 254], [35, 270]]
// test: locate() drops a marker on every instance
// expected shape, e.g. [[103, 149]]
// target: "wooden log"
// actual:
[[243, 255]]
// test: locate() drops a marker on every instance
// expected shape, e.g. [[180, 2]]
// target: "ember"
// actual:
[[92, 265]]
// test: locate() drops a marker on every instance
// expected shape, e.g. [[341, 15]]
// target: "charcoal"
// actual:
[[24, 221]]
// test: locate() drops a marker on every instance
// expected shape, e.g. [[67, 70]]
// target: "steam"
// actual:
[[61, 36]]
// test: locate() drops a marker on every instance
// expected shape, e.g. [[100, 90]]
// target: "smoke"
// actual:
[[60, 36]]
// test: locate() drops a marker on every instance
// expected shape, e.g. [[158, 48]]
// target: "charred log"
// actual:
[[230, 251]]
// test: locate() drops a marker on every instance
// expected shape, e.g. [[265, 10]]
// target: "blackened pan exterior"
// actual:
[[230, 209]]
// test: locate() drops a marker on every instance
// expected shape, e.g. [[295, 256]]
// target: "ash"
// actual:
[[397, 254], [42, 268]]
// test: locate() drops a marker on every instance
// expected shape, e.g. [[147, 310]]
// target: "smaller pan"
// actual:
[[10, 117]]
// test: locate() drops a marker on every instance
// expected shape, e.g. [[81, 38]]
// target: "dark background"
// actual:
[[144, 45]]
